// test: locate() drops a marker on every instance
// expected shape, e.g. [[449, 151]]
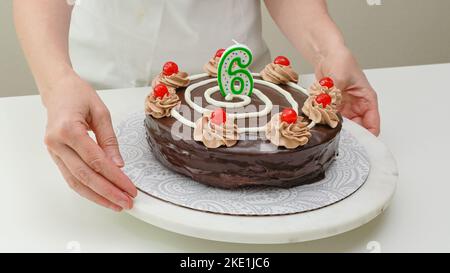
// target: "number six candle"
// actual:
[[233, 75]]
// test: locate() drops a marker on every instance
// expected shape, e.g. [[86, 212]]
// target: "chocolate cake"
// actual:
[[219, 144]]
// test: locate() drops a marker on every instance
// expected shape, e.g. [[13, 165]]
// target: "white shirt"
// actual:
[[117, 43]]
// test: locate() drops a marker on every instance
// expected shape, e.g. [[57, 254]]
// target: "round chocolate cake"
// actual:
[[279, 135]]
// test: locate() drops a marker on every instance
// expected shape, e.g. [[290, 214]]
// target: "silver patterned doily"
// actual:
[[349, 171]]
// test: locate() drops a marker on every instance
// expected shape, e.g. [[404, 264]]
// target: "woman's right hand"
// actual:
[[91, 168]]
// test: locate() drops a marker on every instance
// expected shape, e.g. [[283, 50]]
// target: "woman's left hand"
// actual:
[[359, 102]]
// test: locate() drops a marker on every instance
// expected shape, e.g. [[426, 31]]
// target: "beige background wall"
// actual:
[[394, 33]]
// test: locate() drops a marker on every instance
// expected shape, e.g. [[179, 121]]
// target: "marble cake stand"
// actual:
[[356, 210]]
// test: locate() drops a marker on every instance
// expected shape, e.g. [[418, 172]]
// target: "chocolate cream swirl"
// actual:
[[159, 108], [180, 79], [279, 74], [213, 135], [211, 66], [289, 135], [319, 114]]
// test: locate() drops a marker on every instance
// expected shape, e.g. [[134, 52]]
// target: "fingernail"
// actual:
[[124, 204], [118, 161], [116, 208], [133, 193]]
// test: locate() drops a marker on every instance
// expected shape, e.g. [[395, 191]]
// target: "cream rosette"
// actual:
[[289, 135], [176, 80], [316, 111], [161, 107], [279, 74], [214, 135], [211, 66]]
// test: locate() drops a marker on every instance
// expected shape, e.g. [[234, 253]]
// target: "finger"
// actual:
[[357, 120], [104, 133], [374, 131], [97, 160], [88, 177], [81, 189], [371, 121]]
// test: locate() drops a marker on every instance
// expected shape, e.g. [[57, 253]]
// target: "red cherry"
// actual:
[[289, 115], [170, 68], [327, 82], [323, 99], [160, 91], [281, 60], [219, 52], [219, 116]]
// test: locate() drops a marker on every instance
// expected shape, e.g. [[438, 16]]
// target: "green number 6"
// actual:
[[233, 75]]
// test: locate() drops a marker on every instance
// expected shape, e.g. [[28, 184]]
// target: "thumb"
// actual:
[[104, 133]]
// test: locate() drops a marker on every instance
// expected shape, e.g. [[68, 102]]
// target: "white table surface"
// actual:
[[40, 213]]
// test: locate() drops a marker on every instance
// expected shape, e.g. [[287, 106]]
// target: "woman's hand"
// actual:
[[307, 24], [360, 102], [91, 168]]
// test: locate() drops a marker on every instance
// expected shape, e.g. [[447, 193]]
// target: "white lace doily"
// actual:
[[346, 175]]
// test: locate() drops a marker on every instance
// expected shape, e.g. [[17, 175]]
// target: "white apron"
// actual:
[[117, 43]]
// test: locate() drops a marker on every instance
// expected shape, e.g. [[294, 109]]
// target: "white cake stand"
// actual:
[[356, 210]]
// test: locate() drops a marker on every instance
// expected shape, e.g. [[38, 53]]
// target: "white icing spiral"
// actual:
[[245, 100]]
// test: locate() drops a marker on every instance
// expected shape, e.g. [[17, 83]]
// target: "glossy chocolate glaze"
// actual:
[[250, 162]]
